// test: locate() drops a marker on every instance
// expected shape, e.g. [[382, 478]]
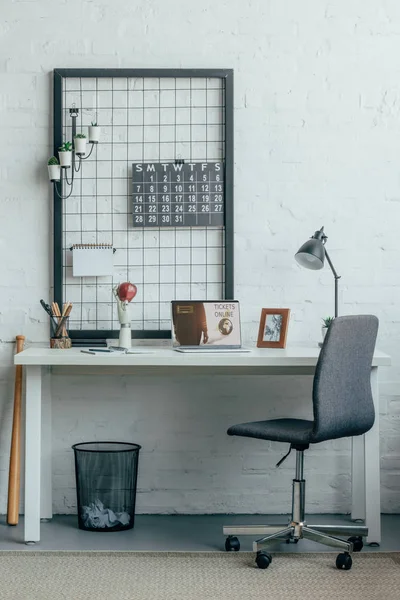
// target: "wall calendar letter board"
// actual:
[[157, 188], [178, 195]]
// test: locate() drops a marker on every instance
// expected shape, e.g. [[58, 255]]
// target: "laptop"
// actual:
[[206, 326]]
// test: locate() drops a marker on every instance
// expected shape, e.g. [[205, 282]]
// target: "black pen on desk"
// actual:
[[99, 350], [96, 350]]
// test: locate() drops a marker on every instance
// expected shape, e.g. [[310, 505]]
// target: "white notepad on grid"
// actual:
[[92, 260]]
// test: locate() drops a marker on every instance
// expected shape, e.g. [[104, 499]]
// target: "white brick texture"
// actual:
[[317, 142]]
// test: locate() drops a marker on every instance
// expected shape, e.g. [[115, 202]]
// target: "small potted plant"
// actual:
[[65, 154], [326, 324], [80, 143], [54, 169], [94, 133]]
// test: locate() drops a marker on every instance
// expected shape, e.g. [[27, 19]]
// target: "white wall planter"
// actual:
[[94, 133], [65, 158], [80, 145], [54, 172]]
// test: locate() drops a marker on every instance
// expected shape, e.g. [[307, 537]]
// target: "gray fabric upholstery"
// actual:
[[342, 398], [296, 431]]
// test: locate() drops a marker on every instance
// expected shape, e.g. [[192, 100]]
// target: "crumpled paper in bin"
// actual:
[[98, 517]]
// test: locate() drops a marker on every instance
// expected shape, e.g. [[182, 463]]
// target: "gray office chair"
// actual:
[[343, 407]]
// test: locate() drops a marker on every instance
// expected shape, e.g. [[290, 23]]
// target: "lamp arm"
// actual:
[[337, 277]]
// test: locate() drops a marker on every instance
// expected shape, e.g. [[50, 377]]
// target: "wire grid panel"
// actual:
[[141, 119]]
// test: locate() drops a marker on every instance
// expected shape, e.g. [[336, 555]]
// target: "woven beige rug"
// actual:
[[196, 575]]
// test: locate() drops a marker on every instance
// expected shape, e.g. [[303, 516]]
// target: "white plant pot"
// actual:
[[80, 145], [65, 158], [323, 331], [54, 172], [94, 133]]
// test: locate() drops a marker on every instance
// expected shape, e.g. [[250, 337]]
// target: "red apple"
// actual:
[[127, 291]]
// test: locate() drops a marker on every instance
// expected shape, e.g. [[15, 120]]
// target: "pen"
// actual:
[[88, 352], [99, 350]]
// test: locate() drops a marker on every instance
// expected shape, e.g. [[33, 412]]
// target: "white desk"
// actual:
[[38, 501]]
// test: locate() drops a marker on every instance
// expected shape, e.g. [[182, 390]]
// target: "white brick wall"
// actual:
[[317, 115]]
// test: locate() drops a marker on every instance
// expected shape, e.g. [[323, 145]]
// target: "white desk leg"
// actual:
[[358, 478], [46, 504], [32, 453], [372, 470]]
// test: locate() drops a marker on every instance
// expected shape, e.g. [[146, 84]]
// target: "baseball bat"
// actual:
[[15, 451]]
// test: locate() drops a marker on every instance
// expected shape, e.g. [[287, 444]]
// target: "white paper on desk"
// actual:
[[92, 261]]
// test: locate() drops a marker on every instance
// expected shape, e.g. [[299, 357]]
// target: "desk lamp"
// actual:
[[312, 254]]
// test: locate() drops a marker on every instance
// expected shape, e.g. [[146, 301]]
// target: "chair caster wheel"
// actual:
[[263, 559], [232, 543], [344, 561], [292, 541], [357, 542]]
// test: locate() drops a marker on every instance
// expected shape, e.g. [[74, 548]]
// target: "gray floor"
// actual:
[[176, 533]]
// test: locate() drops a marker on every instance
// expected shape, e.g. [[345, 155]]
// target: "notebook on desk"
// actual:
[[206, 326]]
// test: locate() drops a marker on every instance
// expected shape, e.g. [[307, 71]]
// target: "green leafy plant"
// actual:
[[53, 161], [94, 123], [327, 321], [80, 135], [66, 147]]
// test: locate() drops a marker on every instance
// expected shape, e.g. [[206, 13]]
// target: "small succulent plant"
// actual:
[[94, 123], [53, 161], [327, 321], [66, 147], [80, 135]]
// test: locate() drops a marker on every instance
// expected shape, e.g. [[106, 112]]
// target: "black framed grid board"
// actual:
[[157, 188]]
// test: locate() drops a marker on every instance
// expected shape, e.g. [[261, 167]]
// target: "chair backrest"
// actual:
[[342, 397]]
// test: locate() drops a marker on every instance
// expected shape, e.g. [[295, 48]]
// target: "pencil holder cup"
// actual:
[[59, 334]]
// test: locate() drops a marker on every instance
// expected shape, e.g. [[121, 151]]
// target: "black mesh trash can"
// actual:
[[106, 476]]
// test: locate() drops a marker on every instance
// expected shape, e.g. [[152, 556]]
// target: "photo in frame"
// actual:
[[273, 328]]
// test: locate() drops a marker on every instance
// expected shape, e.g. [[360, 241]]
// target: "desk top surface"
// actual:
[[296, 356]]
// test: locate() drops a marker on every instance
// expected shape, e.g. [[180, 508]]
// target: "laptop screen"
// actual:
[[206, 323]]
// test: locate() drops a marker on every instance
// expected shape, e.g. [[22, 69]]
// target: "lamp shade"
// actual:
[[311, 255]]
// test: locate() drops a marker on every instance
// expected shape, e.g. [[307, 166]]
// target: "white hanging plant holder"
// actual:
[[54, 172], [65, 158], [94, 134], [80, 145]]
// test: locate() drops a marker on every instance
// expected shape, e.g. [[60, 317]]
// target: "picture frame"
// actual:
[[272, 332]]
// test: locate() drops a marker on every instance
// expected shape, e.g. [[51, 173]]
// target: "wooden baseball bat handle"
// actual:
[[15, 451]]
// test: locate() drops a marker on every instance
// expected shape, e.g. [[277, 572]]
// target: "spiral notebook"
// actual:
[[92, 260]]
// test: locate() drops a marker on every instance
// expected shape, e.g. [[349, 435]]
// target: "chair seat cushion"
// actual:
[[292, 431]]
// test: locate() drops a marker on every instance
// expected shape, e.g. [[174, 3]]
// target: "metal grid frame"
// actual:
[[168, 241]]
